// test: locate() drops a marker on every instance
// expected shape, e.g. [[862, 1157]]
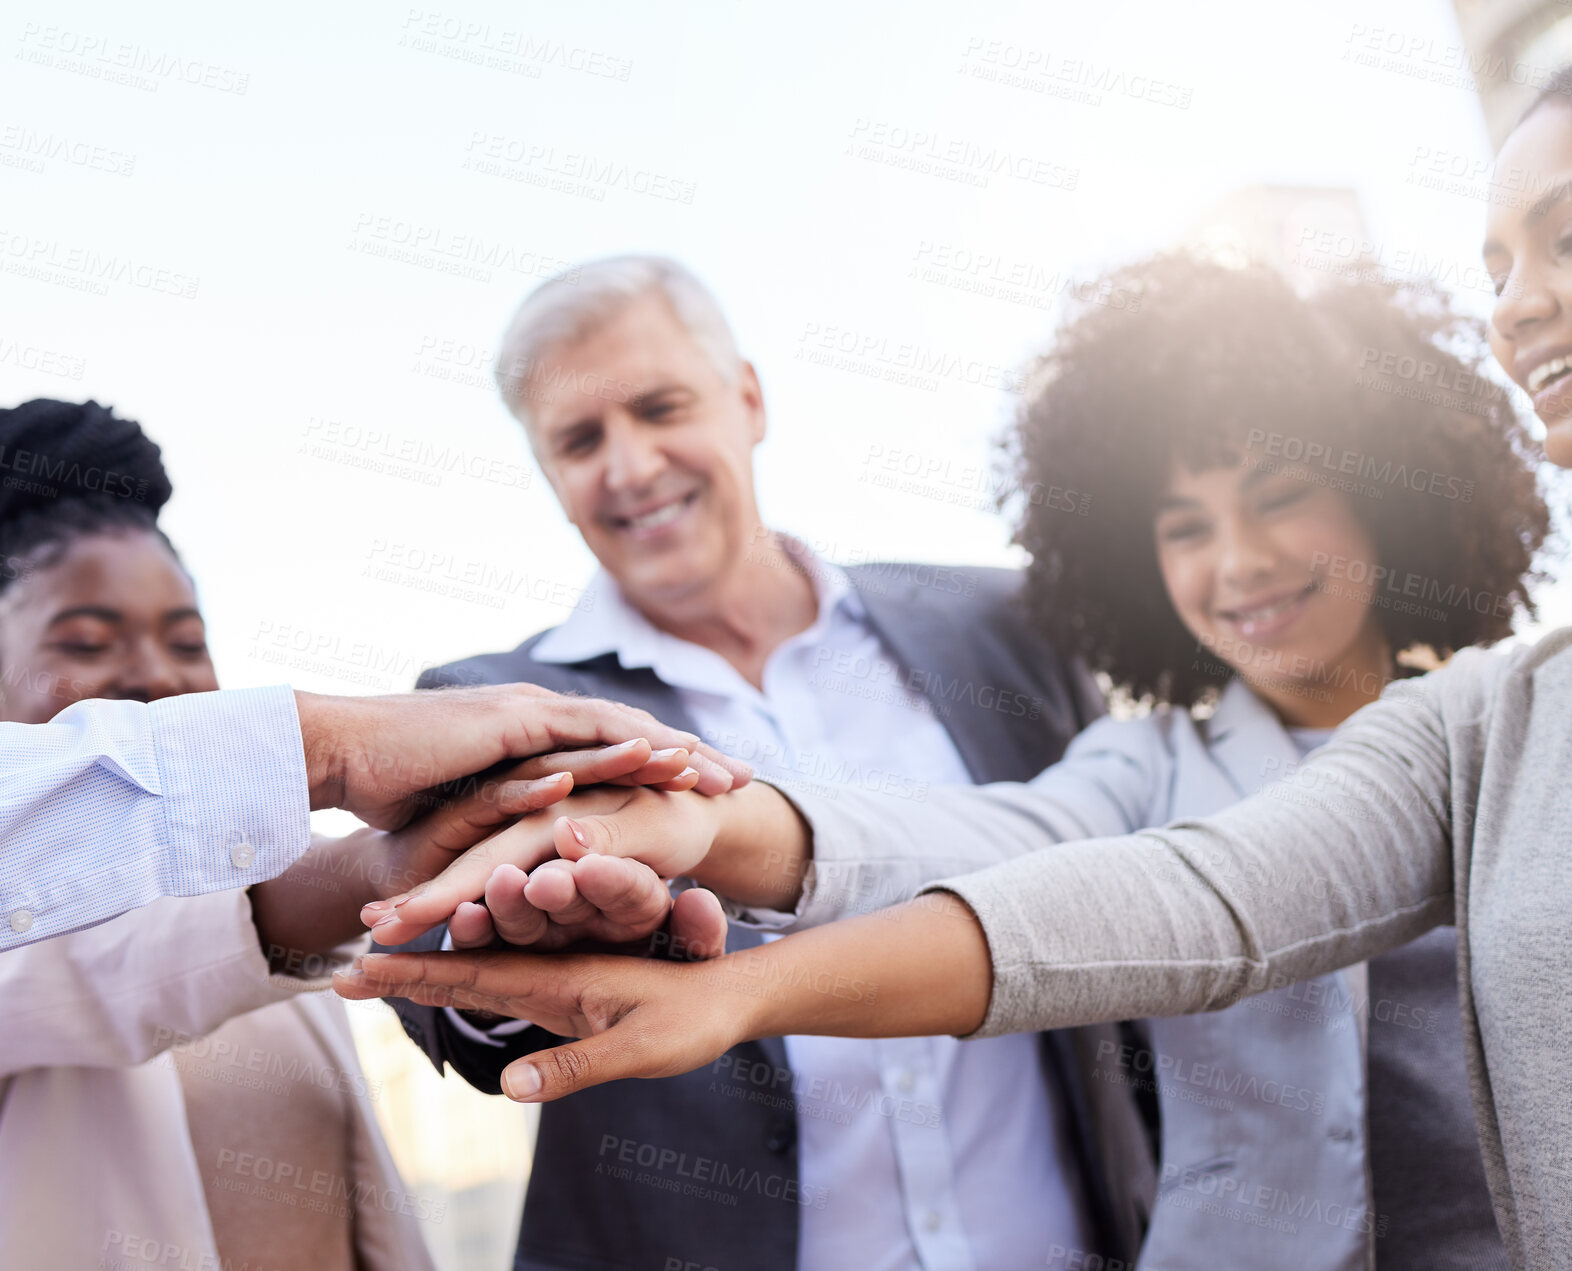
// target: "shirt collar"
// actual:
[[1238, 707], [605, 622]]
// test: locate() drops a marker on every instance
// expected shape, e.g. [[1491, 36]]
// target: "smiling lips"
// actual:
[[1270, 616], [1552, 390], [651, 522], [1547, 371]]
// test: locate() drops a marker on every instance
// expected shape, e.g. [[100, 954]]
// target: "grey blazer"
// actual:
[[583, 1210]]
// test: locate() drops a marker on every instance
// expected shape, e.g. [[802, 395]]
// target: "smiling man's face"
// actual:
[[650, 452]]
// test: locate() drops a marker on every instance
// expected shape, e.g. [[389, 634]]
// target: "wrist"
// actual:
[[759, 849], [383, 860], [738, 983], [324, 763]]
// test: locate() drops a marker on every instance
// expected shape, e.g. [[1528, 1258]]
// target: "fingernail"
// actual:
[[687, 772], [578, 834], [626, 745], [665, 754], [522, 1082], [404, 900], [382, 922], [374, 906]]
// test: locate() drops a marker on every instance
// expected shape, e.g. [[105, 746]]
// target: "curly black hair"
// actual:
[[69, 470], [1376, 389]]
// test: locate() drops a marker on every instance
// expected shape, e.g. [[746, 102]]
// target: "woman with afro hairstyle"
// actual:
[[1290, 502]]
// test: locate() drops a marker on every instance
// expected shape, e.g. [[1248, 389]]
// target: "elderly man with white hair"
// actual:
[[794, 1152]]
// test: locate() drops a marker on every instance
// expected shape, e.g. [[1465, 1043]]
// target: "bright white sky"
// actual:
[[362, 126]]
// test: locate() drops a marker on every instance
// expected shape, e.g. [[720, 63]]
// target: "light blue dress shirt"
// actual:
[[111, 805], [921, 1153]]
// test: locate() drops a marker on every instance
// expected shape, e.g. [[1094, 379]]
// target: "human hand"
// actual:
[[917, 970], [316, 904], [372, 755], [430, 844], [596, 902], [669, 831], [643, 1018]]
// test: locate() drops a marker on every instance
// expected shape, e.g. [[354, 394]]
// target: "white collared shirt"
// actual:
[[928, 1152]]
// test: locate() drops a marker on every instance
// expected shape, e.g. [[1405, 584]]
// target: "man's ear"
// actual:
[[753, 399]]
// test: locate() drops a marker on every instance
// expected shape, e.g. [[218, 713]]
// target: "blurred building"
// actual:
[[1511, 47], [1312, 233]]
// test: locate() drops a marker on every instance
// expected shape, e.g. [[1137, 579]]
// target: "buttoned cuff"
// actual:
[[236, 802]]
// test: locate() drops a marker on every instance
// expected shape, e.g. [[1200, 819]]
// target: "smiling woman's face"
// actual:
[[114, 616], [1528, 253], [1257, 565]]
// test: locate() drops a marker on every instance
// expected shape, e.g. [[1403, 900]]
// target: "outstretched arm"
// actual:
[[1350, 859], [815, 859], [867, 977]]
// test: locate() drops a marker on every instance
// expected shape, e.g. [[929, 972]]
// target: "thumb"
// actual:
[[651, 833], [578, 837], [563, 1070], [697, 925]]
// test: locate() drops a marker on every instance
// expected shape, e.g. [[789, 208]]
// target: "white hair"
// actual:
[[573, 304]]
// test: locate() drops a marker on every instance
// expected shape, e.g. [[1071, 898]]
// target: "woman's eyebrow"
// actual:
[[1540, 209], [101, 612], [1547, 200], [180, 615]]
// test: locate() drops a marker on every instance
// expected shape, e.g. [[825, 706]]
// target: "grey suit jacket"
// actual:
[[1010, 704]]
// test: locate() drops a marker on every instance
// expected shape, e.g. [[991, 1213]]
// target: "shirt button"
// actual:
[[21, 920], [906, 1082], [242, 853], [933, 1220]]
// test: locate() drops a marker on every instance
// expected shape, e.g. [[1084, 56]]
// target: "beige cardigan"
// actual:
[[96, 1163]]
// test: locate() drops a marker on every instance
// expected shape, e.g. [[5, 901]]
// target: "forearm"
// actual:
[[1347, 859], [314, 906], [852, 852], [917, 970]]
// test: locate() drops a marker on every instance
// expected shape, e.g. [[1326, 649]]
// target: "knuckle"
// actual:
[[571, 1065], [611, 833]]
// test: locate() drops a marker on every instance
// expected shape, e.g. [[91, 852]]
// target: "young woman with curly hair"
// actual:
[[1366, 398]]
